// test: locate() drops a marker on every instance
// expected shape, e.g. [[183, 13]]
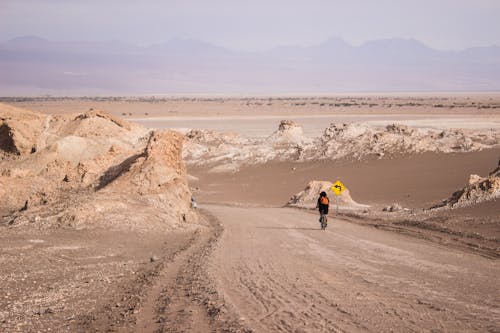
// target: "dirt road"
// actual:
[[280, 273]]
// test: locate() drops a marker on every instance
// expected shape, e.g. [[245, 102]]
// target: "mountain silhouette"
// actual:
[[33, 65]]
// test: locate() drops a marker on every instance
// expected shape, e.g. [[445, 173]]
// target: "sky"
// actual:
[[258, 24]]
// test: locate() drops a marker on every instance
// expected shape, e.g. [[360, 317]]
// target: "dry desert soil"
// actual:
[[248, 263]]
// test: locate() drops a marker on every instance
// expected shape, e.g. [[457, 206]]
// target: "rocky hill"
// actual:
[[89, 169]]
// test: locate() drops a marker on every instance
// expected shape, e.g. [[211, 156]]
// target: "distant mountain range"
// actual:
[[32, 65]]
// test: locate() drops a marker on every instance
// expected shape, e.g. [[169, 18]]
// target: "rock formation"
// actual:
[[359, 141], [228, 152], [18, 131], [89, 169], [477, 190], [309, 196], [289, 132]]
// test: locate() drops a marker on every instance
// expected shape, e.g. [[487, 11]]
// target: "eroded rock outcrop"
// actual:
[[228, 152], [18, 131], [478, 189], [309, 196], [289, 132], [91, 169], [359, 140]]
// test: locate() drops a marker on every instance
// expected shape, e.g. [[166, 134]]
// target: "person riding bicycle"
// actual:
[[323, 204]]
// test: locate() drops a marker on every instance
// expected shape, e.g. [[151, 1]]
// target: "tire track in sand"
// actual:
[[167, 308], [280, 274], [183, 297]]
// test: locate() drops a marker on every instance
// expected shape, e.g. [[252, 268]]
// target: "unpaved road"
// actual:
[[264, 269], [279, 273]]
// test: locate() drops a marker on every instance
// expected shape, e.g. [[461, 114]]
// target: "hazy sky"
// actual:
[[256, 24]]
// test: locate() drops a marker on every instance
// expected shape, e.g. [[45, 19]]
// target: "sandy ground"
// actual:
[[282, 274], [252, 265], [260, 116], [416, 181], [315, 125], [77, 280], [258, 106], [106, 280]]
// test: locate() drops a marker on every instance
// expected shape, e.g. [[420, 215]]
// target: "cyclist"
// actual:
[[322, 205]]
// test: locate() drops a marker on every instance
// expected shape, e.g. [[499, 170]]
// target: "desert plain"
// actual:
[[98, 232]]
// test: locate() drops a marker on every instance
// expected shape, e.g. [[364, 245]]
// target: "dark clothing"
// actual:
[[323, 209]]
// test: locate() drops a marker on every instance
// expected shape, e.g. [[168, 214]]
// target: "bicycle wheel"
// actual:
[[322, 220]]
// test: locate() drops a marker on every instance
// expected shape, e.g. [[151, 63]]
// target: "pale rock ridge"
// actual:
[[360, 140], [228, 152]]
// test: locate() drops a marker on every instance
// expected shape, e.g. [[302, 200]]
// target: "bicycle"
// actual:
[[323, 220]]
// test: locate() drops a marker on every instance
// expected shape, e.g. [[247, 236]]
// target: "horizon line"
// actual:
[[260, 95], [325, 41]]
